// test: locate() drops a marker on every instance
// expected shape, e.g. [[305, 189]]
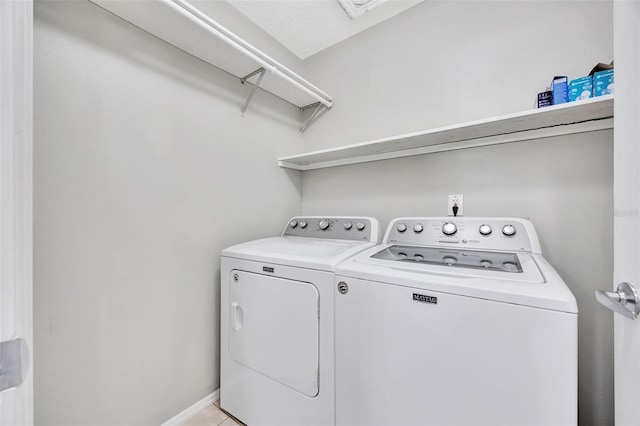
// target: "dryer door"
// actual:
[[273, 328]]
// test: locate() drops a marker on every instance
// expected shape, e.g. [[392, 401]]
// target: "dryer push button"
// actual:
[[509, 230]]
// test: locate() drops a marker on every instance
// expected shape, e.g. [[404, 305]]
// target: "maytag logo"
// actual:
[[424, 298], [267, 269]]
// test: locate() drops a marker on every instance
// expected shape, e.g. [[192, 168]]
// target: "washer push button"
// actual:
[[449, 228]]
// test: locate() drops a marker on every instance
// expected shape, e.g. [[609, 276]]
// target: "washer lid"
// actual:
[[451, 257], [455, 263], [313, 253], [537, 285]]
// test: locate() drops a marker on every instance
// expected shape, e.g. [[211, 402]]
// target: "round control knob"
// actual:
[[303, 224], [323, 224], [509, 230], [510, 266], [401, 227], [485, 230], [348, 225], [449, 260], [293, 223], [418, 228], [449, 228], [360, 226]]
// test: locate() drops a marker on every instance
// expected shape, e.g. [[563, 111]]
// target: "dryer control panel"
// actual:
[[333, 227], [500, 234]]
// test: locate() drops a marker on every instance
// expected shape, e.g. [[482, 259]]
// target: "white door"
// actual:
[[274, 326], [626, 204], [16, 383]]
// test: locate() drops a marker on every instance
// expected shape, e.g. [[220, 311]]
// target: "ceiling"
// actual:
[[306, 27]]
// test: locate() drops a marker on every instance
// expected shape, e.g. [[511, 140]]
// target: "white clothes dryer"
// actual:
[[277, 320], [455, 321]]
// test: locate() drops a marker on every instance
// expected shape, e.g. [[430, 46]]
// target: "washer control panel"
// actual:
[[333, 227], [509, 234]]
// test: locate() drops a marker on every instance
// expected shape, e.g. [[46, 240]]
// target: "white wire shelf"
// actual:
[[188, 28]]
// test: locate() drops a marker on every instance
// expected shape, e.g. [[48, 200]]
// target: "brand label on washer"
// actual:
[[424, 298], [267, 269]]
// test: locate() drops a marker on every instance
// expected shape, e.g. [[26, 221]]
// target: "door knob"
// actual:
[[624, 300], [14, 363]]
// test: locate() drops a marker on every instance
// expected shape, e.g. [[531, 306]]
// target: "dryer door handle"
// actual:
[[237, 316], [624, 300]]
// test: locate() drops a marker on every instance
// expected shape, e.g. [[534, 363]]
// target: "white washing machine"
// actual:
[[277, 320], [455, 321]]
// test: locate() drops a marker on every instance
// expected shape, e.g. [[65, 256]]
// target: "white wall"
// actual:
[[144, 171], [446, 62]]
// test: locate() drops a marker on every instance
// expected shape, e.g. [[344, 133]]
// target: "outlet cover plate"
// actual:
[[455, 199]]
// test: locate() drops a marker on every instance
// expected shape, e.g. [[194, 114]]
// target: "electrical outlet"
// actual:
[[455, 200]]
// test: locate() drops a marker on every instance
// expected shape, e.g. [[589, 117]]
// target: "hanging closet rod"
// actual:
[[194, 14]]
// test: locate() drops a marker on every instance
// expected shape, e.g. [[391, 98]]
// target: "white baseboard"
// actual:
[[185, 415]]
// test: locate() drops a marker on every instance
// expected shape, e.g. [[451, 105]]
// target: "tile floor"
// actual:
[[213, 416]]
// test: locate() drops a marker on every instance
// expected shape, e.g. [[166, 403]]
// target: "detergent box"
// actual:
[[544, 99], [603, 83], [560, 89], [581, 88]]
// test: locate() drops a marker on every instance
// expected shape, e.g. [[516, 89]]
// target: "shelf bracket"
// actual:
[[318, 108], [306, 107], [260, 71]]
